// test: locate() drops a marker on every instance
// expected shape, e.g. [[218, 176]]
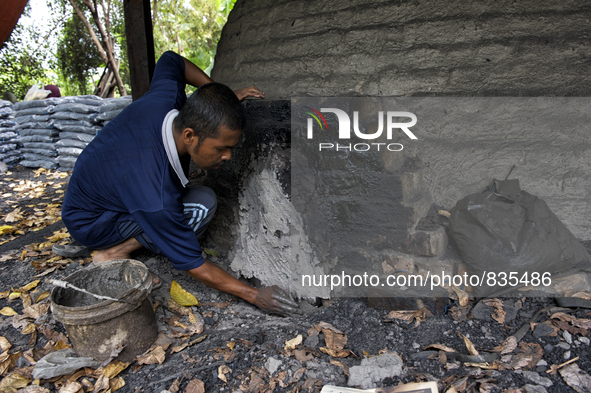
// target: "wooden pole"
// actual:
[[140, 45]]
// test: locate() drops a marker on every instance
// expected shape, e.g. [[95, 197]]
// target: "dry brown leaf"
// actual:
[[507, 346], [87, 384], [314, 331], [14, 216], [499, 314], [101, 384], [462, 296], [153, 356], [26, 299], [48, 271], [326, 325], [408, 315], [175, 307], [231, 345], [77, 375], [341, 365], [471, 349], [4, 295], [257, 384], [179, 348], [33, 389], [301, 356], [61, 345], [451, 390], [5, 363], [174, 388], [13, 382], [577, 322], [197, 340], [580, 294], [8, 312], [440, 347], [20, 321], [113, 369], [222, 371], [562, 325], [30, 328], [336, 354], [42, 296], [116, 384], [334, 340], [196, 328], [192, 318], [58, 235], [180, 324], [576, 378], [550, 324], [36, 310], [562, 316], [195, 386], [4, 344], [484, 366], [29, 286], [163, 341], [13, 359], [292, 344], [461, 384], [526, 356], [52, 334]]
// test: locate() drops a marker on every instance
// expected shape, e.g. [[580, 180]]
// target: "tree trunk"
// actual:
[[91, 32], [109, 47], [106, 51]]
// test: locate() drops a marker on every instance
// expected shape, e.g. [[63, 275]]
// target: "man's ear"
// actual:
[[189, 136]]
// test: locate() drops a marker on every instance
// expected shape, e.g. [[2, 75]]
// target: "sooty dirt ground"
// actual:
[[252, 343]]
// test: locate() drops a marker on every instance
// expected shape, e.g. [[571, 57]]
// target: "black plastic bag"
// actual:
[[509, 238]]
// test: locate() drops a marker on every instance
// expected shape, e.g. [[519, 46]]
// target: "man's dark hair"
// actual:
[[209, 107]]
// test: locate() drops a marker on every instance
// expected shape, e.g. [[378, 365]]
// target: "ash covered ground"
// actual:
[[245, 350]]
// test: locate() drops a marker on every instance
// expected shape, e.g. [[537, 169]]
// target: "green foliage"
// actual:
[[76, 69], [21, 62], [190, 28]]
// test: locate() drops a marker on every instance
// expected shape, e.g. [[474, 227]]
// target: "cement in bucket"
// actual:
[[98, 328]]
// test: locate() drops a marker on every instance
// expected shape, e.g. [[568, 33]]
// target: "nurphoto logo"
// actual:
[[344, 132]]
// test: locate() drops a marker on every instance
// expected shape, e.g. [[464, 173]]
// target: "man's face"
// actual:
[[213, 151]]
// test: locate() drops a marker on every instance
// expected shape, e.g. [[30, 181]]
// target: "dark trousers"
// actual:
[[200, 204]]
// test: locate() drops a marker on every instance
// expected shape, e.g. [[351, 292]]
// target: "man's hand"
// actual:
[[272, 299], [275, 299], [249, 92]]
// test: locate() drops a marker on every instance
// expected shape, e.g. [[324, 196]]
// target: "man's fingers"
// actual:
[[286, 309], [284, 299], [251, 91]]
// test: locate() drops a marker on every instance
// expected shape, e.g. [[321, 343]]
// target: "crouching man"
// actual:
[[129, 187]]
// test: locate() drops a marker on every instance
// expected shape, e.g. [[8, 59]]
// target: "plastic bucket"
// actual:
[[99, 328]]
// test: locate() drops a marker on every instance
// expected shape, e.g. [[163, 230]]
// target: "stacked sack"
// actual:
[[36, 133], [9, 153], [112, 107], [74, 117]]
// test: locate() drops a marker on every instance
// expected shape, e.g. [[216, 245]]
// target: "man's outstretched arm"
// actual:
[[268, 298], [196, 77]]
